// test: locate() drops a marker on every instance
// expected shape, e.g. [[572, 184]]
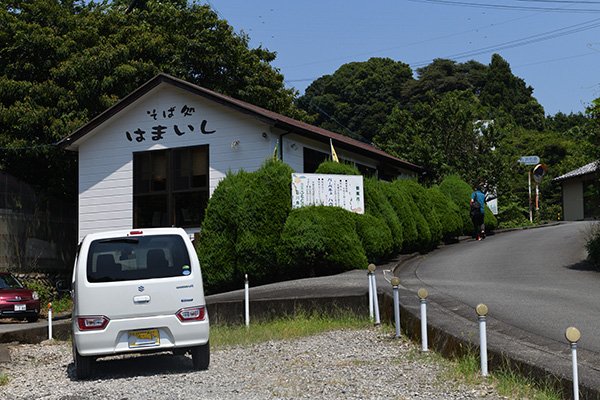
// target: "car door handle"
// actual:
[[141, 299]]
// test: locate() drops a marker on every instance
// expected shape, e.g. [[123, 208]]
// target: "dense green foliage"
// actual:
[[592, 245], [332, 167], [320, 241], [243, 224], [357, 97], [251, 229], [448, 213], [64, 62]]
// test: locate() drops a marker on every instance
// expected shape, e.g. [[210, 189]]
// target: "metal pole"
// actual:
[[482, 311], [573, 335], [49, 321], [246, 300], [423, 299], [530, 207], [370, 276], [376, 301], [395, 282]]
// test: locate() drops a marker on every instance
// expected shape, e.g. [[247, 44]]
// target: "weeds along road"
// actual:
[[535, 280]]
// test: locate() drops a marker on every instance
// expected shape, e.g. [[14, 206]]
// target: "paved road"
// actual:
[[534, 280]]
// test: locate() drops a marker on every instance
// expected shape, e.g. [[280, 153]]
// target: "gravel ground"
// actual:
[[364, 364]]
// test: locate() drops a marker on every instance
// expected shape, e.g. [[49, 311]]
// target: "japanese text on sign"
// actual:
[[344, 191], [159, 130]]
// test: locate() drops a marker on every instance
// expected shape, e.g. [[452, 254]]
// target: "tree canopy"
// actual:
[[63, 62]]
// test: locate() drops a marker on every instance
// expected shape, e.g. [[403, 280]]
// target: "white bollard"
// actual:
[[49, 321], [423, 300], [375, 300], [246, 301], [482, 311], [370, 276], [395, 283], [573, 335]]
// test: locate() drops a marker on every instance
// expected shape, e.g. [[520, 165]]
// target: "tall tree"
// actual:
[[64, 62], [357, 98]]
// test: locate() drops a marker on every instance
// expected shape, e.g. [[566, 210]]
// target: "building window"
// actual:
[[170, 187], [312, 159]]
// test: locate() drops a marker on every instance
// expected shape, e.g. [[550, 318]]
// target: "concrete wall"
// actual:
[[572, 193]]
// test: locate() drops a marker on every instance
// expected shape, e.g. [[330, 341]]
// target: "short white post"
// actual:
[[423, 300], [49, 321], [375, 299], [370, 276], [395, 283], [573, 335], [482, 311], [246, 301]]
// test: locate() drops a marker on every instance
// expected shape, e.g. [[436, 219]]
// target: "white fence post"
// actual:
[[482, 311], [395, 283], [573, 335], [49, 321], [246, 301], [423, 300]]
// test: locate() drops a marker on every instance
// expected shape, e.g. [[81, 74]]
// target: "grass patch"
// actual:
[[466, 369], [300, 325], [3, 379]]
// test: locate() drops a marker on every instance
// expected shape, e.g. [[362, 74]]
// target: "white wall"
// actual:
[[105, 157], [572, 200]]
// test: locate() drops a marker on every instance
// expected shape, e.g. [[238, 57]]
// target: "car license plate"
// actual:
[[144, 338], [20, 307]]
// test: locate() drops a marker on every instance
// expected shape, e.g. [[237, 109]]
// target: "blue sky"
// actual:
[[554, 45]]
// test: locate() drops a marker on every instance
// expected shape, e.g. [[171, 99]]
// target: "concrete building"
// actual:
[[155, 157], [581, 193]]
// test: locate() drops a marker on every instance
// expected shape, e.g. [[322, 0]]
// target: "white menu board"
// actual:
[[344, 191]]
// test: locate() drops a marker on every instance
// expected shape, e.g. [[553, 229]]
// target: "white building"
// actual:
[[155, 157], [581, 193]]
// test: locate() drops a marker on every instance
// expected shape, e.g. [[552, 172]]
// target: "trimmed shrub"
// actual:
[[216, 242], [266, 205], [332, 167], [423, 239], [592, 245], [403, 210], [375, 236], [425, 205], [377, 204], [320, 240], [448, 213], [460, 192]]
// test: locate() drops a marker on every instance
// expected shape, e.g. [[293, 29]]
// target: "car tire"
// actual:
[[201, 357], [33, 319], [83, 364]]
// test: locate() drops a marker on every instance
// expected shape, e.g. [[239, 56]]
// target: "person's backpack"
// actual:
[[475, 208]]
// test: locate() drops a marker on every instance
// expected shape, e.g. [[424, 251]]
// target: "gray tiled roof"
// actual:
[[585, 170]]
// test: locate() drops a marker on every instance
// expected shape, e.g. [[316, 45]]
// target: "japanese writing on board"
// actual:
[[163, 127], [344, 191]]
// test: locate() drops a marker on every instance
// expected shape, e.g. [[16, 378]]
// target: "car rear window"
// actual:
[[137, 257], [9, 282]]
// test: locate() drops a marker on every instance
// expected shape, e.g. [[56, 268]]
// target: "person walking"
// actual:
[[477, 213]]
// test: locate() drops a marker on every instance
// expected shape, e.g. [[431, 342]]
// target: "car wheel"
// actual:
[[201, 357], [33, 319], [83, 364]]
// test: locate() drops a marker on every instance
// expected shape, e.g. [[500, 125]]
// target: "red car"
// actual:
[[16, 301]]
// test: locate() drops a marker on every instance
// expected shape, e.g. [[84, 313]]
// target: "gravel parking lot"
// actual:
[[364, 364]]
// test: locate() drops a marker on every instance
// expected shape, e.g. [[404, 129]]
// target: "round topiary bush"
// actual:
[[423, 240], [375, 236], [336, 168], [320, 240]]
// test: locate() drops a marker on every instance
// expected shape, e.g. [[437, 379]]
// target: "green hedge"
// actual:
[[403, 209], [423, 206], [377, 204], [332, 167], [448, 213], [375, 237], [320, 240]]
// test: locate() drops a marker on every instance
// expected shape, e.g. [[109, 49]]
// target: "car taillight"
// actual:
[[191, 314], [94, 322], [35, 296]]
